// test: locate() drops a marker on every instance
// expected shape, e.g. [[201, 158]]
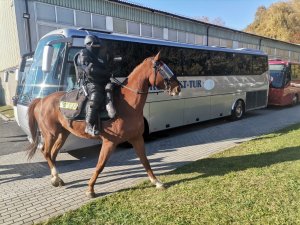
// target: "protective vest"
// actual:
[[95, 68]]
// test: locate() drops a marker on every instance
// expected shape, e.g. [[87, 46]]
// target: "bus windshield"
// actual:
[[69, 74], [277, 73], [37, 83]]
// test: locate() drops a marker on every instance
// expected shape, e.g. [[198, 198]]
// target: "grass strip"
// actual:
[[256, 182]]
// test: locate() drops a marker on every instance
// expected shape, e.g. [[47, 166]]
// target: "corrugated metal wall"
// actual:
[[122, 11], [9, 48], [147, 16], [217, 35]]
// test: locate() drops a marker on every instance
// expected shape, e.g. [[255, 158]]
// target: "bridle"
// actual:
[[165, 72]]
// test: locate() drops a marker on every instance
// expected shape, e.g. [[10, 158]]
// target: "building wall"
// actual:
[[9, 48], [134, 20], [8, 85]]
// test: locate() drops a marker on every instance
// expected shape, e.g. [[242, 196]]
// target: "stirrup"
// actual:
[[111, 110], [91, 130]]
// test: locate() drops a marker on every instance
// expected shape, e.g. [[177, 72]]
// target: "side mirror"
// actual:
[[17, 75], [47, 58], [118, 59]]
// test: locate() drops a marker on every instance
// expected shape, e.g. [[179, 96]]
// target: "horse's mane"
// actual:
[[125, 81], [138, 66]]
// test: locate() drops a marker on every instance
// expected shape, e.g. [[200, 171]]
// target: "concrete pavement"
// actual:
[[26, 195]]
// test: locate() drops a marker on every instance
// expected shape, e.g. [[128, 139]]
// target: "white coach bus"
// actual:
[[216, 82]]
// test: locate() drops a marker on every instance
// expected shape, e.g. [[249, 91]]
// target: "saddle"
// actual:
[[73, 106]]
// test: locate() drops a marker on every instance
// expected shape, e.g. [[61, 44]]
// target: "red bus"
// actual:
[[284, 82]]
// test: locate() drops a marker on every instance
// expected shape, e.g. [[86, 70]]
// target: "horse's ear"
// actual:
[[157, 57]]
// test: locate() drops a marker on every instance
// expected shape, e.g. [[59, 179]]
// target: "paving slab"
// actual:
[[26, 195]]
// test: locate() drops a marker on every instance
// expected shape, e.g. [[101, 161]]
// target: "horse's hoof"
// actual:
[[54, 182], [90, 194], [61, 183], [57, 182], [160, 185]]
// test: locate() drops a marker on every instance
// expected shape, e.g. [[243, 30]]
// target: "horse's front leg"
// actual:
[[106, 149], [48, 145], [139, 146], [60, 140]]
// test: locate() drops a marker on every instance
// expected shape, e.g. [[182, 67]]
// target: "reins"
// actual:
[[124, 86], [155, 67]]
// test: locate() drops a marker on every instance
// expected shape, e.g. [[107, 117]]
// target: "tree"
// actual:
[[217, 21], [280, 21]]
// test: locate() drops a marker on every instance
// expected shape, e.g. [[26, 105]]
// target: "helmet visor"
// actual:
[[94, 44]]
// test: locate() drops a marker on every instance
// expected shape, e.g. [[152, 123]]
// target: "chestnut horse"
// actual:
[[46, 118]]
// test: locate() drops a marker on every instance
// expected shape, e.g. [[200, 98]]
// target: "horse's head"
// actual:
[[163, 78]]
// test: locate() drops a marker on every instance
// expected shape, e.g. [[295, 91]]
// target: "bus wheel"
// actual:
[[238, 110], [295, 100], [146, 130]]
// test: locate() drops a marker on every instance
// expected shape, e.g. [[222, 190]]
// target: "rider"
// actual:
[[94, 78]]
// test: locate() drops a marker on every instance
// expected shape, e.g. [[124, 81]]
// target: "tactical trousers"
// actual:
[[95, 102]]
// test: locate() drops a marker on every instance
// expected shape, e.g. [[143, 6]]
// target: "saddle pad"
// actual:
[[71, 103]]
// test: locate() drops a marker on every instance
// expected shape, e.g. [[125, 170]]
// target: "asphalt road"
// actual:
[[12, 138]]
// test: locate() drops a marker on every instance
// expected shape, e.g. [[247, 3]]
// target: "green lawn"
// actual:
[[7, 111], [257, 182]]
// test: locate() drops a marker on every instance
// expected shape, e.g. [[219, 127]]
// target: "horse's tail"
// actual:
[[33, 127]]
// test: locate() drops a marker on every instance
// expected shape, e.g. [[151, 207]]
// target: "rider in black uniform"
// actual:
[[94, 73]]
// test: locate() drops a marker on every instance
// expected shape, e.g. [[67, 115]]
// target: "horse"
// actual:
[[48, 123]]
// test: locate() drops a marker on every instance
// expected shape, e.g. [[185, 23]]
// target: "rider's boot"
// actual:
[[109, 101], [90, 119]]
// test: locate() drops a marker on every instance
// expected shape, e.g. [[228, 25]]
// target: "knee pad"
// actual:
[[109, 87], [96, 99]]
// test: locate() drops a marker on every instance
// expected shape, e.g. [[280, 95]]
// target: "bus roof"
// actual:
[[81, 33]]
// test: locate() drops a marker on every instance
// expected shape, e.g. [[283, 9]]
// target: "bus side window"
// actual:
[[132, 55], [222, 63], [242, 64], [295, 68], [195, 62], [172, 56], [259, 64], [288, 74]]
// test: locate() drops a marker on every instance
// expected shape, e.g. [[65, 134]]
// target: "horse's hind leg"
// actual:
[[106, 149], [139, 146]]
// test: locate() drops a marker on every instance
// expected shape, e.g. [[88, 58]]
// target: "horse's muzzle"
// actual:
[[175, 91]]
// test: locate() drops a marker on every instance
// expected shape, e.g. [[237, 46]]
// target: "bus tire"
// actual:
[[295, 100], [238, 110], [146, 130]]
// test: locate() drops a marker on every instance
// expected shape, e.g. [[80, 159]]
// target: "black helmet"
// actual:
[[92, 44], [92, 41]]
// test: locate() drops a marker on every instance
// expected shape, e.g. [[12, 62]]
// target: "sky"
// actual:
[[236, 14]]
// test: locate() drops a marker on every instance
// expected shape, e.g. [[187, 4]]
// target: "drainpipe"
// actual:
[[259, 44], [207, 33], [26, 16]]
